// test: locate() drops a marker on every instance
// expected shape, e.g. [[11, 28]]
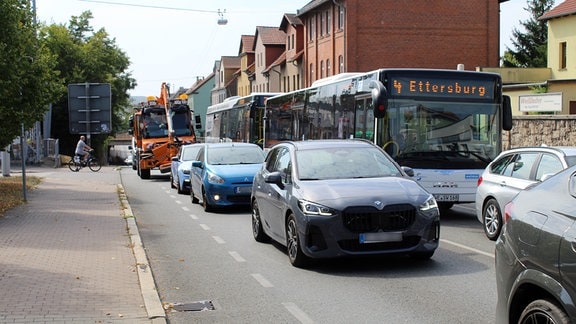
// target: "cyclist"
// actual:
[[82, 149]]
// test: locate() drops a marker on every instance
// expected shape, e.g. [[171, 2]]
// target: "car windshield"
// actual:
[[235, 155], [344, 163]]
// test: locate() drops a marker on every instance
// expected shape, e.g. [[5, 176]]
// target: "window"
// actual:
[[292, 40], [322, 25], [340, 64], [328, 68], [341, 17], [311, 73], [521, 166], [549, 164], [321, 69], [328, 22], [563, 55], [311, 27]]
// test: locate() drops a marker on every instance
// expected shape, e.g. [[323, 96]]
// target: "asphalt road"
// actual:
[[209, 269]]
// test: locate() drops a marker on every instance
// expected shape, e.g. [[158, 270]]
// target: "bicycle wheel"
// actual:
[[73, 166], [94, 165]]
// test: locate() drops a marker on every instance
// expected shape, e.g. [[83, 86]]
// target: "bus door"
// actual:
[[364, 117]]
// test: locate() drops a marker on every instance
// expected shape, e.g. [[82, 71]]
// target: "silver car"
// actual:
[[511, 172]]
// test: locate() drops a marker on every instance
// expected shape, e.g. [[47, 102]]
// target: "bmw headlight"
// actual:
[[213, 178], [429, 204], [310, 208]]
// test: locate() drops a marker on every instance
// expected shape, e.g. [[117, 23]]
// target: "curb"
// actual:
[[147, 285]]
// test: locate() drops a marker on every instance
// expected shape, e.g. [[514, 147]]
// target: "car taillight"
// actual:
[[479, 181], [507, 211]]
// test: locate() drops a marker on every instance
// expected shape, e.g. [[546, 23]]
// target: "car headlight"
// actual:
[[310, 208], [429, 204], [212, 178]]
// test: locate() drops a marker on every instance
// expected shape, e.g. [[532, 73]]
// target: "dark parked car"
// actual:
[[223, 174], [512, 171], [181, 165], [536, 254], [332, 198]]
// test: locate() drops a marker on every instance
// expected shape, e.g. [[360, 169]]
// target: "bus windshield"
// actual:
[[464, 135]]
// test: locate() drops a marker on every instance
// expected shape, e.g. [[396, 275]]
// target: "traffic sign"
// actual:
[[90, 108]]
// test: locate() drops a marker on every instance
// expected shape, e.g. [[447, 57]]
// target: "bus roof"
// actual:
[[230, 102]]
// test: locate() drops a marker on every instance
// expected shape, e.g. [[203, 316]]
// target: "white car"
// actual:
[[512, 171], [129, 160]]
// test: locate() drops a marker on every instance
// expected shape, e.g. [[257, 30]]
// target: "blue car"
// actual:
[[180, 168], [223, 174]]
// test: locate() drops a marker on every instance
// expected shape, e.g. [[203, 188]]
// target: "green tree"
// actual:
[[530, 48], [85, 56], [28, 80]]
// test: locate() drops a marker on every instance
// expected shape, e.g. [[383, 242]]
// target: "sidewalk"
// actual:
[[70, 256]]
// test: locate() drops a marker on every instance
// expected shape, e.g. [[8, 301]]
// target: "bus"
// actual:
[[237, 119], [445, 124]]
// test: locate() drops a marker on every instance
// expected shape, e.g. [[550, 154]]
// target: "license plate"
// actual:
[[243, 190], [446, 197], [380, 237]]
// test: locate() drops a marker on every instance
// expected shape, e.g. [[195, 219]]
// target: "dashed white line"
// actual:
[[298, 313], [491, 255], [184, 208], [261, 280], [192, 215], [178, 202], [218, 239], [205, 227], [237, 256]]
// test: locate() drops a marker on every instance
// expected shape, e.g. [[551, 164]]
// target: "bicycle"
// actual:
[[75, 164]]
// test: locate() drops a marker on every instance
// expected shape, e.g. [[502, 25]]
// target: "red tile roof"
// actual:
[[566, 8], [270, 35], [230, 62], [246, 44]]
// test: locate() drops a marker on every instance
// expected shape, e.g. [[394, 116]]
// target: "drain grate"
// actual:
[[194, 307]]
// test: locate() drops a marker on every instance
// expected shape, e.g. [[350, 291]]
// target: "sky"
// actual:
[[179, 45]]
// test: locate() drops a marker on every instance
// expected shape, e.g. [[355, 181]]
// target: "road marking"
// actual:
[[178, 202], [298, 313], [172, 196], [205, 227], [191, 215], [184, 208], [218, 239], [261, 280], [237, 256], [491, 255]]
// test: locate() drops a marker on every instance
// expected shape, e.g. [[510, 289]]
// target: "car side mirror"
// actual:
[[408, 170], [175, 158], [197, 164], [275, 178]]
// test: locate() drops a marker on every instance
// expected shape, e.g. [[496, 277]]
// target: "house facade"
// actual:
[[199, 96], [245, 74], [550, 90]]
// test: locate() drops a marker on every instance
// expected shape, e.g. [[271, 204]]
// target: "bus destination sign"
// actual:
[[441, 87]]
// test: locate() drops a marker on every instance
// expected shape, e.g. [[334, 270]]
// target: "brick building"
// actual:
[[363, 35]]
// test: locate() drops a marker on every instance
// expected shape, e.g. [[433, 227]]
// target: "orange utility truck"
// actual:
[[159, 127]]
